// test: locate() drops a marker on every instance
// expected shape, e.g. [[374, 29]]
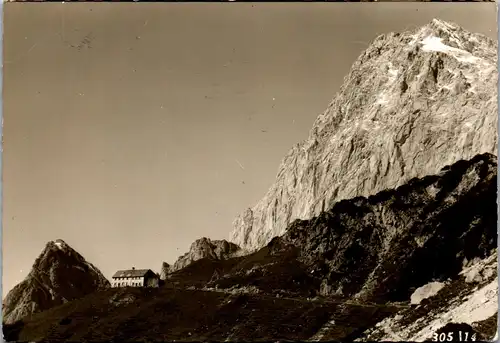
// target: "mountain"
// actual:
[[206, 248], [428, 264], [59, 274], [412, 103], [381, 226]]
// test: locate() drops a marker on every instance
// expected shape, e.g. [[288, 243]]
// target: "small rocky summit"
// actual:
[[412, 103], [59, 274], [206, 248], [165, 270]]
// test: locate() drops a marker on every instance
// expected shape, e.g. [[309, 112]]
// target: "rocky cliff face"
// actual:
[[423, 231], [412, 103], [206, 248], [59, 274]]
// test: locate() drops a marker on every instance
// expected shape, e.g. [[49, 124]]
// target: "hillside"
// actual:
[[134, 314], [440, 228]]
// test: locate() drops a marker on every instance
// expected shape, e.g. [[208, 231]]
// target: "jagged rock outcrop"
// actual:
[[59, 274], [412, 103], [423, 231], [165, 270], [206, 248]]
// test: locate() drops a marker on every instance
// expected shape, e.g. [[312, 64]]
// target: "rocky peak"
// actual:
[[58, 275], [165, 270], [206, 248], [412, 103]]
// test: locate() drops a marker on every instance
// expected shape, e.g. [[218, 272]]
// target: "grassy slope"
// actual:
[[177, 314]]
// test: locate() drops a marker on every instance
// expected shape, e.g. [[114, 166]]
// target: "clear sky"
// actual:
[[133, 129]]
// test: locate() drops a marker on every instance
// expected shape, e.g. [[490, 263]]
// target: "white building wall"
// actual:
[[128, 282]]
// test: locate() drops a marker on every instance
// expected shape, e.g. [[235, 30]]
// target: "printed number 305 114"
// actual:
[[454, 337]]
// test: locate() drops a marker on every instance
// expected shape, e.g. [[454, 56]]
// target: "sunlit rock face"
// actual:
[[412, 103]]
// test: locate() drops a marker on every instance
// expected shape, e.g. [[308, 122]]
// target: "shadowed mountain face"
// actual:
[[354, 265], [406, 237], [412, 103], [59, 275]]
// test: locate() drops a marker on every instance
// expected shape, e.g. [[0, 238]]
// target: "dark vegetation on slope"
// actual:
[[165, 314], [272, 272], [200, 272]]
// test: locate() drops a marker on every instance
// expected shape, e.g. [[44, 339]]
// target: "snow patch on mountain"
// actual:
[[433, 43]]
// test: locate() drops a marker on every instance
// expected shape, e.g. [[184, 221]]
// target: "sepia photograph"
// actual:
[[225, 172]]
